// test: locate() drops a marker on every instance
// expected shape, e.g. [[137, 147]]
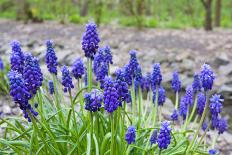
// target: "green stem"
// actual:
[[204, 134], [193, 111], [89, 74], [186, 120], [112, 135], [177, 100], [81, 96], [160, 151], [194, 122], [139, 106], [200, 124], [133, 101], [73, 109], [215, 138]]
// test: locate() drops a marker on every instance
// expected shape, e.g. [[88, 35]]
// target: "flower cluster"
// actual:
[[196, 85], [66, 79], [32, 74], [133, 64], [130, 135], [50, 58], [93, 100], [189, 96], [78, 69], [183, 108], [90, 40], [176, 83], [153, 138], [17, 57], [51, 87], [207, 77], [111, 97], [174, 116], [146, 82], [201, 100], [156, 77], [161, 95], [164, 138]]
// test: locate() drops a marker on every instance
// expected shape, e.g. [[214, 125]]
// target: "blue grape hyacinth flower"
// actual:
[[51, 87], [212, 152], [146, 82], [111, 97], [93, 100], [78, 68], [201, 101], [156, 76], [153, 138], [32, 74], [50, 58], [161, 96], [164, 137], [189, 95], [196, 85], [17, 57], [66, 79], [174, 115], [133, 63], [176, 83], [1, 65], [207, 77], [215, 104], [130, 135], [90, 40], [222, 126], [183, 108], [105, 54]]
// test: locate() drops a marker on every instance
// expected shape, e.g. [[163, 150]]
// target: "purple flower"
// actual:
[[222, 126], [156, 76], [201, 100], [93, 100], [183, 108], [214, 121], [196, 83], [122, 86], [78, 69], [101, 73], [17, 57], [130, 135], [138, 78], [215, 104], [20, 94], [207, 77], [164, 138], [90, 40], [204, 126], [50, 58], [153, 137], [128, 77], [212, 151], [146, 82], [174, 116], [1, 65], [51, 87], [161, 96], [189, 95], [66, 79], [32, 74], [176, 83], [111, 97], [133, 64], [105, 53]]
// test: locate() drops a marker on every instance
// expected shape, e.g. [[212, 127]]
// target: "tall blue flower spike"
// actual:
[[93, 100], [32, 74], [201, 100], [17, 57], [161, 96], [66, 79], [50, 58], [176, 83], [130, 135], [196, 83], [207, 77], [51, 87], [78, 68], [90, 40], [153, 138], [164, 138], [156, 76]]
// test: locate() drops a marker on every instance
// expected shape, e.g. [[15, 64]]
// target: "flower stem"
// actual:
[[200, 124], [73, 109], [193, 111], [139, 106], [133, 102], [89, 74], [112, 135], [177, 100]]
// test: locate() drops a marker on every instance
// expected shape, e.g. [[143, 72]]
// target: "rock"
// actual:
[[221, 59], [167, 77], [6, 109], [187, 65], [226, 91], [182, 56], [225, 70]]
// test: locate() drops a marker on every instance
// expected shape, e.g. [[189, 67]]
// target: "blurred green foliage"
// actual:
[[140, 13]]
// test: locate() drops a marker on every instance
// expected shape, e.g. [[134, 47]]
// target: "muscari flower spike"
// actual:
[[133, 63], [105, 52], [1, 65], [212, 152], [189, 95], [174, 116], [50, 58], [128, 76], [201, 100], [111, 97], [215, 104], [32, 74], [78, 68], [214, 121], [222, 126], [122, 86], [101, 73], [183, 108], [17, 57], [161, 96], [130, 135], [51, 87], [207, 77], [164, 138], [20, 94], [138, 78], [176, 83], [156, 76], [153, 138], [196, 85], [90, 40], [66, 79], [146, 82], [93, 100]]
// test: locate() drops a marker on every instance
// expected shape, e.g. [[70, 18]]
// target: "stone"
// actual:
[[221, 59], [225, 70], [6, 109]]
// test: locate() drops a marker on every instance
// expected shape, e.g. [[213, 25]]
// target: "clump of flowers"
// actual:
[[50, 58], [93, 100], [164, 138], [78, 69], [66, 79], [130, 135], [17, 57]]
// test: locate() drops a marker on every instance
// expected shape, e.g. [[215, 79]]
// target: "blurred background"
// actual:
[[180, 34], [138, 13]]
